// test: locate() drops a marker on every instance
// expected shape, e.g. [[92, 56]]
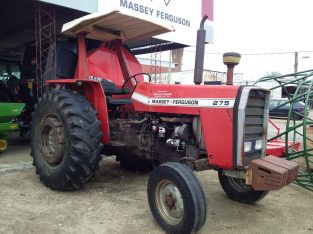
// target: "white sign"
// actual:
[[184, 16]]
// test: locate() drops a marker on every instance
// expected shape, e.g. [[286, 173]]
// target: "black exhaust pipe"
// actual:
[[200, 49]]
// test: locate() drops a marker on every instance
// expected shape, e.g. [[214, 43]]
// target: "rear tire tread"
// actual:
[[83, 138]]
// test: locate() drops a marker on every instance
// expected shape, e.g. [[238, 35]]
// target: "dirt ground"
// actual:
[[115, 201]]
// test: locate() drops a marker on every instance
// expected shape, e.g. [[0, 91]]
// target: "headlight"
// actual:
[[248, 146], [258, 144]]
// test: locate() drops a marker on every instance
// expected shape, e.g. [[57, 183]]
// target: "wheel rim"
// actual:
[[52, 141], [169, 202], [239, 184]]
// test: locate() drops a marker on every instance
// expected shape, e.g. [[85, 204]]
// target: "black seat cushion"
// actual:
[[110, 88]]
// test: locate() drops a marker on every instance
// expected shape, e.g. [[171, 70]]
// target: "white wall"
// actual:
[[184, 16], [89, 6]]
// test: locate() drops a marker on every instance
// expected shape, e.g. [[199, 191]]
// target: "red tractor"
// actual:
[[108, 107]]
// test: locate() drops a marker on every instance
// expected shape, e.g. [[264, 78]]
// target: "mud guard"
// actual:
[[94, 92]]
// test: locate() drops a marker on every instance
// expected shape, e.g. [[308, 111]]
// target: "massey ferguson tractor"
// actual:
[[108, 106]]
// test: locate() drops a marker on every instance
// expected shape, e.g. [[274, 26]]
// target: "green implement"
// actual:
[[8, 113], [298, 88]]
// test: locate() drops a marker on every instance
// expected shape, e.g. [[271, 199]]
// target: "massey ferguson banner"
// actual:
[[184, 16]]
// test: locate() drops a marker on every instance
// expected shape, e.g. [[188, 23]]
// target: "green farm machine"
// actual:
[[8, 114], [295, 87]]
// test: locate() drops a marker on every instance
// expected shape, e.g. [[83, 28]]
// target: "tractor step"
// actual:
[[120, 101]]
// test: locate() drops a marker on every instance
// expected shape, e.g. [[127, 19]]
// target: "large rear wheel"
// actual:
[[237, 190], [65, 140], [176, 198]]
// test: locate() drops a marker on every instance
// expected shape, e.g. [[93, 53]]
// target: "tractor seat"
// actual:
[[111, 89]]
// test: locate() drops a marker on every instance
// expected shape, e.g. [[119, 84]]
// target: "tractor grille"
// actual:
[[254, 122]]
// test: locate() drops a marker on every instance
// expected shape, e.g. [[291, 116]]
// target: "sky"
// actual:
[[268, 28]]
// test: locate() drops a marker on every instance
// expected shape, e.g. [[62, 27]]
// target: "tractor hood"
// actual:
[[107, 26]]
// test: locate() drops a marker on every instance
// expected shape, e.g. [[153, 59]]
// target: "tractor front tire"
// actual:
[[176, 198], [237, 190], [65, 140]]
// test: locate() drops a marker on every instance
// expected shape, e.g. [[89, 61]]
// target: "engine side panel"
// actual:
[[217, 126], [182, 99]]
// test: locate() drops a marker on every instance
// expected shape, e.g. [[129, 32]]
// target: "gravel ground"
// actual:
[[115, 201]]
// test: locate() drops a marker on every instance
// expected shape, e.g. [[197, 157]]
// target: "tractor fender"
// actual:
[[93, 91]]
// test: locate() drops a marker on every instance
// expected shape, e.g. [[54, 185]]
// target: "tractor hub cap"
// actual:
[[52, 141], [169, 202]]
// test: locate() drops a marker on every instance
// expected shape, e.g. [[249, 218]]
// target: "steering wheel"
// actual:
[[134, 77]]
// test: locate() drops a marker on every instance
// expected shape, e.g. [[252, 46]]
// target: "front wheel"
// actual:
[[176, 198], [237, 190]]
